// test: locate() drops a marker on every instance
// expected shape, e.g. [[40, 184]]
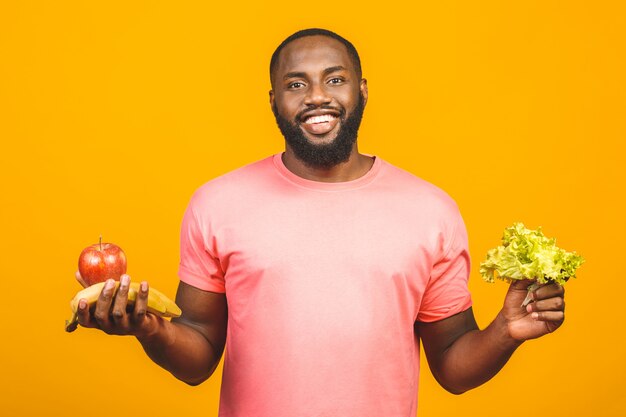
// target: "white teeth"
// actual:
[[320, 119]]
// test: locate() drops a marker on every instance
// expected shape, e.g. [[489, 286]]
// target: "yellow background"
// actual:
[[112, 113]]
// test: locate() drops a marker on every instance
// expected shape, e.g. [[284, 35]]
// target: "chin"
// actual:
[[323, 151], [326, 139]]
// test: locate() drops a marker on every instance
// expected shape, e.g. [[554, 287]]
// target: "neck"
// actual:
[[355, 167]]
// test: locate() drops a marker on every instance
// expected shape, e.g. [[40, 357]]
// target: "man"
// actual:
[[320, 269]]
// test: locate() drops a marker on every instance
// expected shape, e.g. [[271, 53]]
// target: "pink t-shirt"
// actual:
[[324, 282]]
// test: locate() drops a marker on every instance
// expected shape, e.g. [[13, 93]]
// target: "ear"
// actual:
[[363, 88], [272, 98]]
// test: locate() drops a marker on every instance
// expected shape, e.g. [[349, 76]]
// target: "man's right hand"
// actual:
[[113, 315], [189, 346]]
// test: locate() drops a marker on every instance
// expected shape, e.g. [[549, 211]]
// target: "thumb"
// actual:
[[522, 284], [80, 279], [525, 288]]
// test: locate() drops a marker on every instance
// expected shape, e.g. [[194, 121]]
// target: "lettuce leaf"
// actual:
[[528, 254]]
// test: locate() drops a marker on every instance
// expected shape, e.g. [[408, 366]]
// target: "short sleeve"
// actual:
[[198, 266], [447, 291]]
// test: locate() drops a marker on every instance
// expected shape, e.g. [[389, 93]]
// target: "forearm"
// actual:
[[181, 350], [475, 357]]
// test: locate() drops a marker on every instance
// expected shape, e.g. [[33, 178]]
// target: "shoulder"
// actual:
[[415, 190], [236, 184]]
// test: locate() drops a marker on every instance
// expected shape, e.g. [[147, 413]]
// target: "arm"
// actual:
[[189, 346], [462, 357]]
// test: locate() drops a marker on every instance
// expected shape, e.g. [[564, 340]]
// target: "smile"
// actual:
[[320, 125], [320, 119]]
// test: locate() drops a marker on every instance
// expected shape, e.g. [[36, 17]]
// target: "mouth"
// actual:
[[319, 124]]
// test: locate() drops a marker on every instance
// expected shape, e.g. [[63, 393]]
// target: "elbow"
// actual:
[[455, 390], [195, 380], [451, 386], [192, 382]]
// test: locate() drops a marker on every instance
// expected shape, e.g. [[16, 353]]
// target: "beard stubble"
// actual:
[[326, 155]]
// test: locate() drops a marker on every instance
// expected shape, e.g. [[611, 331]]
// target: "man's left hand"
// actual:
[[543, 315]]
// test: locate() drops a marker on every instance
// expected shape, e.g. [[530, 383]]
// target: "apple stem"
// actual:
[[100, 242]]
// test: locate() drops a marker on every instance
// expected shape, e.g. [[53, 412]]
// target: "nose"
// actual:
[[317, 96]]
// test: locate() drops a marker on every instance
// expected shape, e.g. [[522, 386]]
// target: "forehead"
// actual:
[[312, 53]]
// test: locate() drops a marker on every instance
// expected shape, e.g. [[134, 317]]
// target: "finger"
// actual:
[[84, 318], [549, 316], [103, 305], [118, 313], [521, 284], [550, 304], [80, 279], [141, 304], [548, 291]]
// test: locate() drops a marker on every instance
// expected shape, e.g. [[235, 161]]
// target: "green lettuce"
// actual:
[[528, 254]]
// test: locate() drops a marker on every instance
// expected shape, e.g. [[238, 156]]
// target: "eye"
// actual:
[[295, 85], [336, 80]]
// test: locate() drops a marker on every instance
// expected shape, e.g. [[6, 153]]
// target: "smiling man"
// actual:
[[318, 98], [320, 269]]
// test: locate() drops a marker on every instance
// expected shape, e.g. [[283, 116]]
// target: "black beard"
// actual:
[[327, 155]]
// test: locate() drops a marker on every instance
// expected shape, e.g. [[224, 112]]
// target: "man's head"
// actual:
[[318, 96], [356, 60]]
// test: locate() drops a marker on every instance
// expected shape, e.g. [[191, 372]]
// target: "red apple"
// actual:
[[101, 261]]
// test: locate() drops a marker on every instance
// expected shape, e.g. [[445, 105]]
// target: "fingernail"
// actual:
[[535, 316], [82, 304], [144, 286], [109, 284], [125, 280]]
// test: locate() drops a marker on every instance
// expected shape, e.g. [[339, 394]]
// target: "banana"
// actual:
[[158, 303]]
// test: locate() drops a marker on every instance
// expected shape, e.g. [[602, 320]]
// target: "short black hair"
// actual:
[[354, 55]]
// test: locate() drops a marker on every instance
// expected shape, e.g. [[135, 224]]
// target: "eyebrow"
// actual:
[[297, 74]]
